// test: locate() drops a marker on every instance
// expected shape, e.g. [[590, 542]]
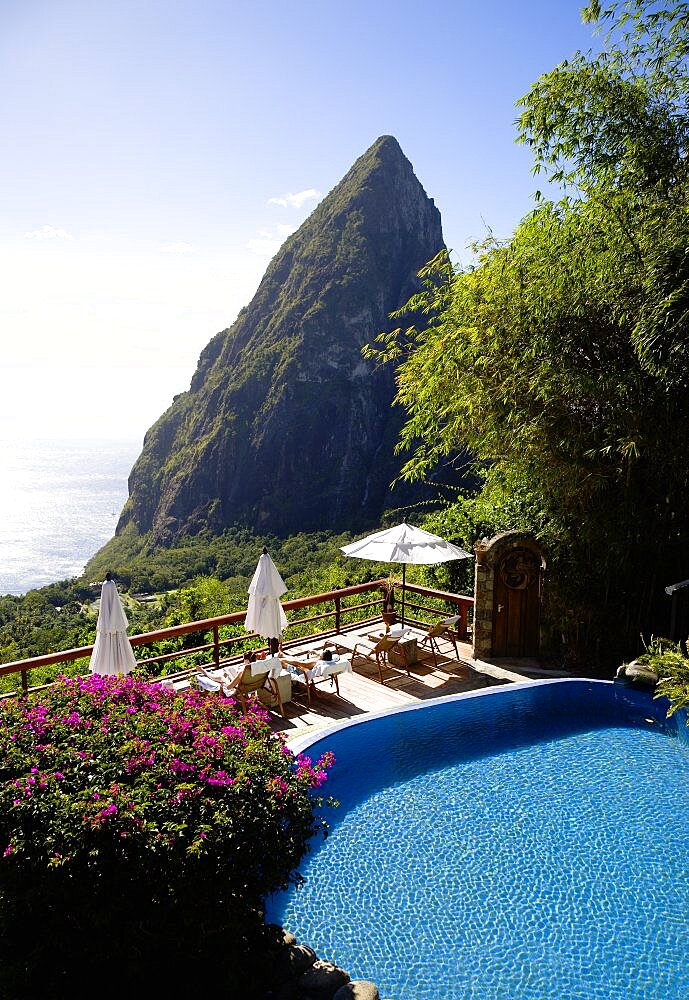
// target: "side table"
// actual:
[[406, 654]]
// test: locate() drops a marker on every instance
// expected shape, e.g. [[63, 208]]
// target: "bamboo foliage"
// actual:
[[559, 361]]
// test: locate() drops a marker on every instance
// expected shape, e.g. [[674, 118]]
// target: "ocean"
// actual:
[[59, 503]]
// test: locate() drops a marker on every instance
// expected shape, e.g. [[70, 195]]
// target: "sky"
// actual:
[[156, 154]]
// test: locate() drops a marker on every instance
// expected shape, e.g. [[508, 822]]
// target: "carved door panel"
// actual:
[[516, 604]]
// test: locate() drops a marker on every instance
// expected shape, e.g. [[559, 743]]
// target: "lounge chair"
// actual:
[[251, 680], [441, 630], [312, 670], [369, 649]]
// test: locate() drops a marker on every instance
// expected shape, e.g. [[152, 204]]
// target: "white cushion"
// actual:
[[207, 683]]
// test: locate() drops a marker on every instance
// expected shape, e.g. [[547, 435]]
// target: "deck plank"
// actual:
[[361, 691]]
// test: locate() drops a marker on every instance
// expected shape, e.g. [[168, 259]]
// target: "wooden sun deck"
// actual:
[[362, 692]]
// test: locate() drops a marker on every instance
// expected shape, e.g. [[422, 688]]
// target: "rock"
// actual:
[[322, 980], [641, 674], [358, 989], [280, 934], [293, 961], [284, 399], [302, 958]]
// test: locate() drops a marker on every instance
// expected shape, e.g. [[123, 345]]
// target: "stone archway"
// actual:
[[508, 592]]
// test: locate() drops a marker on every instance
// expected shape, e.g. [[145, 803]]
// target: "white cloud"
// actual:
[[48, 233], [269, 241], [296, 200], [178, 248]]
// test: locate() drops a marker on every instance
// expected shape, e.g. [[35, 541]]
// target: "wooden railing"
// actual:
[[335, 619], [462, 605]]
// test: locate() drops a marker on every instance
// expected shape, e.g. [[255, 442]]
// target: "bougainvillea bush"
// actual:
[[140, 830]]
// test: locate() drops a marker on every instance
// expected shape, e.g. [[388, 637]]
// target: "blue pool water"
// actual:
[[529, 842]]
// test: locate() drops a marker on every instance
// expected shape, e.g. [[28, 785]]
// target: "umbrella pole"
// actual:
[[404, 577]]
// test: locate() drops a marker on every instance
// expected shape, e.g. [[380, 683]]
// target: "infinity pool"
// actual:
[[526, 842]]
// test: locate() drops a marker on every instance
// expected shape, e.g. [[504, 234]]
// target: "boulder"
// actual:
[[358, 989], [302, 957], [280, 934], [292, 961], [640, 674], [322, 981]]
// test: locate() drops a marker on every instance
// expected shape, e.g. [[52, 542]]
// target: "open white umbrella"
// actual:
[[265, 614], [405, 544], [112, 651]]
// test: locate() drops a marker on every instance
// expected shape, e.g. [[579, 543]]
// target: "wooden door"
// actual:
[[516, 604]]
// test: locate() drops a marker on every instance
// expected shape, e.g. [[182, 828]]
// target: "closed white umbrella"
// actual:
[[112, 651], [265, 614], [405, 544]]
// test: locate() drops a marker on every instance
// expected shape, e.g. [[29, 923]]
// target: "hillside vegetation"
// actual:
[[209, 576]]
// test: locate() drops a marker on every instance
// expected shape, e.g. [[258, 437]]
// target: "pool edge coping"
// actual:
[[301, 743]]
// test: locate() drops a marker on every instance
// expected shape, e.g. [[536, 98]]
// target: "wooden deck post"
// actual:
[[337, 614], [216, 646], [462, 621]]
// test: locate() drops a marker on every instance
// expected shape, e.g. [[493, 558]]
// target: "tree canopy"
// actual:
[[559, 360]]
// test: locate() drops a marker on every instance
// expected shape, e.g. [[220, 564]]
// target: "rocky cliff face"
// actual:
[[286, 427]]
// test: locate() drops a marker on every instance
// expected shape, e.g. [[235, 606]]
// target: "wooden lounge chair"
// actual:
[[441, 630], [302, 667], [371, 650], [248, 683]]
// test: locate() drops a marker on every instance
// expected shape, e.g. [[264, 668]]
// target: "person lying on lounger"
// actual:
[[229, 678]]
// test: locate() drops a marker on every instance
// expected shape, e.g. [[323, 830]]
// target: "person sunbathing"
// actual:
[[228, 678]]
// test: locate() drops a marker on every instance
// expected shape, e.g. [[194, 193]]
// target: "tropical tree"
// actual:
[[560, 360]]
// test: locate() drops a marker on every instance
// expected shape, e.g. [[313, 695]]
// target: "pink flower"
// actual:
[[278, 787]]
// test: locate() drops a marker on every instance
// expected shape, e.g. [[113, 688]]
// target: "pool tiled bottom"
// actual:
[[557, 870]]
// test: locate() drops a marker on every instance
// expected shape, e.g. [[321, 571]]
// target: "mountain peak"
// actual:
[[286, 427], [385, 146]]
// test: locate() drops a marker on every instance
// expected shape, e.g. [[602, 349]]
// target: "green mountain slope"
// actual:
[[285, 427]]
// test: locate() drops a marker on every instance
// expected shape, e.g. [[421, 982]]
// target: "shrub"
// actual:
[[668, 660], [139, 831]]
